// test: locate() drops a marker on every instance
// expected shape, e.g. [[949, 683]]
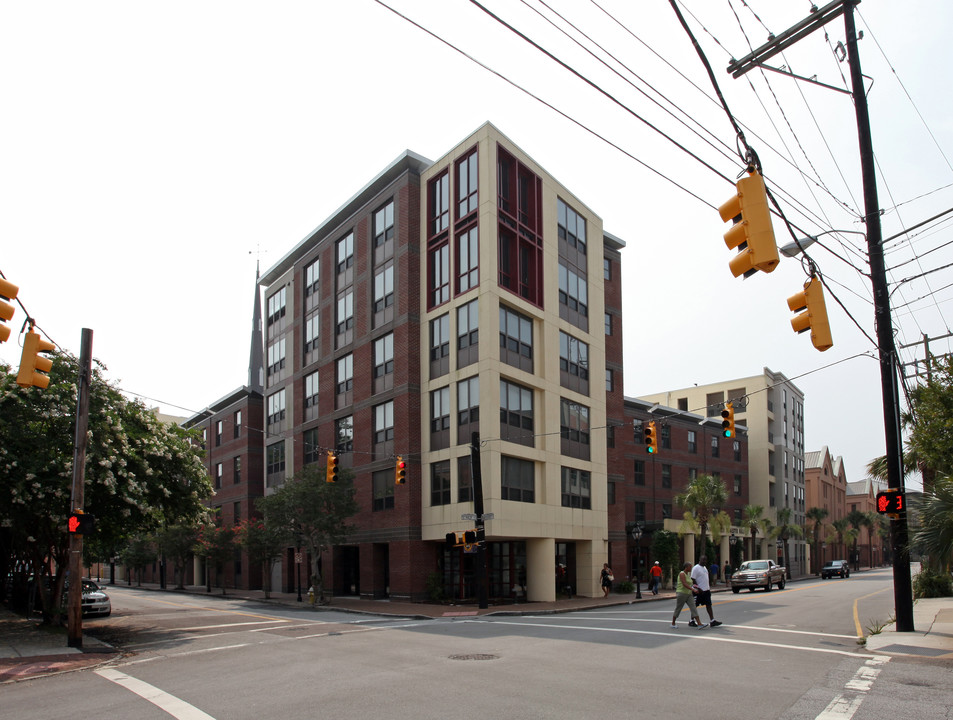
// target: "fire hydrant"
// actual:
[[311, 595]]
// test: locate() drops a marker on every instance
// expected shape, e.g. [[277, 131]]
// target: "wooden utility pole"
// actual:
[[74, 608], [889, 367]]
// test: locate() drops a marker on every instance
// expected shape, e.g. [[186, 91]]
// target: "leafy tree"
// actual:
[[931, 437], [216, 543], [138, 470], [314, 512], [264, 545], [701, 497], [752, 518], [138, 553], [816, 515], [665, 550], [934, 537], [784, 530], [177, 543]]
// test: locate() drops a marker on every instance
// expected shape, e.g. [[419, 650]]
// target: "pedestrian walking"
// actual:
[[656, 574], [684, 593], [703, 597], [727, 574], [607, 578]]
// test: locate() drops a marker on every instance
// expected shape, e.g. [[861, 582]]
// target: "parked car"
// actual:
[[835, 567], [95, 599]]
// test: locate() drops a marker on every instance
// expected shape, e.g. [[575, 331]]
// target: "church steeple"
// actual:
[[256, 360]]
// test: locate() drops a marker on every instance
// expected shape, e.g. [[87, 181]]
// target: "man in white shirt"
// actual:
[[703, 597]]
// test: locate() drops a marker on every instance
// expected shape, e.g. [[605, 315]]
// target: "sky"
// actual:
[[154, 153]]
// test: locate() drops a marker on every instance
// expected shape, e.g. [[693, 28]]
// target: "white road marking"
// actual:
[[692, 633], [225, 625], [669, 622], [846, 703], [177, 708]]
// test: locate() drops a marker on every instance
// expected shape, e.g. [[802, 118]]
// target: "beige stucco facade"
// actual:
[[543, 522]]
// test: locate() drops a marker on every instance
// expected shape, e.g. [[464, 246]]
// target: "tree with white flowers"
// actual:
[[140, 473]]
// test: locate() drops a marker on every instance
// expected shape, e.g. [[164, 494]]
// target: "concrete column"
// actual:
[[688, 548], [541, 570]]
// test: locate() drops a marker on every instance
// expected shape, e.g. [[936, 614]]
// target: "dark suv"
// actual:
[[835, 567]]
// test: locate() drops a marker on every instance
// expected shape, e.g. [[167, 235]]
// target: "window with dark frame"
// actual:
[[312, 449], [516, 339], [468, 334], [517, 479], [440, 346], [574, 429], [440, 483], [383, 489], [520, 241], [516, 414], [576, 490]]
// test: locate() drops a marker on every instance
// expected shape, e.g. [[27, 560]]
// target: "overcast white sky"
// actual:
[[152, 152]]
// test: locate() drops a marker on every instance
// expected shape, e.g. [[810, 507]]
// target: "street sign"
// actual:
[[488, 516], [468, 516]]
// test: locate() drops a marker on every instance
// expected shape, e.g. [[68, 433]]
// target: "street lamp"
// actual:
[[637, 536]]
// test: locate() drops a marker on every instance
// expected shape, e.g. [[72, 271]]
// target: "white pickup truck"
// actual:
[[758, 573]]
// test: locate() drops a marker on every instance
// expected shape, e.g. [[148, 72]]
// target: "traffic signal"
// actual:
[[891, 502], [728, 420], [400, 472], [454, 539], [33, 366], [331, 475], [651, 438], [81, 523], [752, 232], [470, 537], [8, 292], [814, 317]]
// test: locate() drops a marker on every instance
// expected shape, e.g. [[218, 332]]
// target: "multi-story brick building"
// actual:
[[448, 298], [690, 445], [772, 409], [460, 297]]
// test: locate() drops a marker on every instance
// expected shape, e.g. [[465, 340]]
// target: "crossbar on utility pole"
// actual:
[[902, 586]]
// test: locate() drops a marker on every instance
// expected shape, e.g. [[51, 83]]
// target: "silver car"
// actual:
[[95, 599]]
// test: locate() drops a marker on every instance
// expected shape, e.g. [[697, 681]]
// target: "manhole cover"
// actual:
[[475, 656]]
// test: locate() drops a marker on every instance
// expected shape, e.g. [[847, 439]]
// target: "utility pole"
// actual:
[[74, 607], [902, 586], [481, 570]]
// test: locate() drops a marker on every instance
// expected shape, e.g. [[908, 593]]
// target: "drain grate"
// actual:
[[475, 656]]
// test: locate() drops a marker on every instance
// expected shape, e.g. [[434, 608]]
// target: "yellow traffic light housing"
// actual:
[[751, 232], [400, 471], [331, 474], [651, 438], [728, 421], [810, 300], [33, 366], [8, 292]]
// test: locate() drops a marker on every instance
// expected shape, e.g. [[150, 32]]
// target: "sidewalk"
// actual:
[[27, 649]]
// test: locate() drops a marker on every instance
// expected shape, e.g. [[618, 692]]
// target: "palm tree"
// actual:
[[753, 519], [935, 534], [786, 529], [701, 497], [817, 515], [841, 533], [871, 521], [857, 519]]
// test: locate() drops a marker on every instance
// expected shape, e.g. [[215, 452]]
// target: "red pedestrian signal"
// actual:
[[891, 502], [81, 523]]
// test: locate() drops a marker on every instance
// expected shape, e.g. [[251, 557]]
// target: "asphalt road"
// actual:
[[785, 654]]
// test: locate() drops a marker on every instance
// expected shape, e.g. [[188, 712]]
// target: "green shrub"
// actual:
[[626, 586], [435, 588], [932, 584]]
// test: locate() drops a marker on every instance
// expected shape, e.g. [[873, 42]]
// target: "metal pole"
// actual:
[[902, 586], [74, 612], [481, 569]]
